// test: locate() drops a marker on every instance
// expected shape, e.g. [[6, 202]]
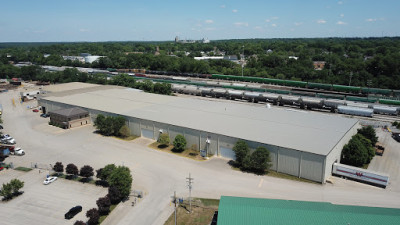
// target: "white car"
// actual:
[[49, 180], [19, 151]]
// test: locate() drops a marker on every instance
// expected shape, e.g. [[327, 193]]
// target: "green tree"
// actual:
[[369, 149], [117, 123], [6, 191], [93, 215], [369, 133], [354, 153], [86, 171], [58, 167], [179, 143], [260, 160], [104, 205], [71, 169], [99, 122], [16, 185], [163, 139], [241, 150], [105, 172], [121, 178], [124, 131]]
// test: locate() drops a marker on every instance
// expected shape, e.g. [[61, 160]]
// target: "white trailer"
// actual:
[[360, 174]]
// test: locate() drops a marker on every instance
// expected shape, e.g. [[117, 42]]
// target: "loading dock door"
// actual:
[[147, 133], [227, 153]]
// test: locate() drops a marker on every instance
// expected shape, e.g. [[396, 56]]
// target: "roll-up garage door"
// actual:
[[147, 133], [227, 153]]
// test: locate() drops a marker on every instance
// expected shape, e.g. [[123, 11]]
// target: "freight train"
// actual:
[[303, 102], [289, 83]]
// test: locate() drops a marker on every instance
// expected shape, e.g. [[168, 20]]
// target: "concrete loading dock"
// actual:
[[303, 144]]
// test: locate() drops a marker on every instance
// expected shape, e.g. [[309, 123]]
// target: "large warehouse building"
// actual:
[[303, 144]]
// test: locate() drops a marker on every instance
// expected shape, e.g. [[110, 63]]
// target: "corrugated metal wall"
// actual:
[[288, 161], [311, 166], [334, 155]]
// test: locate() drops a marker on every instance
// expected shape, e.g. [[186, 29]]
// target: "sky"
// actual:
[[163, 20]]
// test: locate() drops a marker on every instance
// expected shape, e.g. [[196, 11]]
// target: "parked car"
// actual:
[[35, 110], [73, 211], [19, 151], [44, 115], [49, 180], [1, 168]]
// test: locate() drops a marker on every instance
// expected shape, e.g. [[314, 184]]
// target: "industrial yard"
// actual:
[[159, 174]]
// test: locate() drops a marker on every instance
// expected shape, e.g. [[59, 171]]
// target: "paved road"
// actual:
[[389, 162], [159, 174]]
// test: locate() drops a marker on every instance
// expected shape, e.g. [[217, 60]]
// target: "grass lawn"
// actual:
[[188, 153], [202, 212], [130, 138], [76, 178], [102, 218], [25, 169], [278, 175]]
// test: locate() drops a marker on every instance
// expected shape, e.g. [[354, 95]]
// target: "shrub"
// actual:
[[241, 150], [86, 171], [124, 131], [369, 133], [260, 160], [58, 167], [114, 195], [121, 178], [163, 139], [179, 143], [93, 215], [104, 205], [71, 169]]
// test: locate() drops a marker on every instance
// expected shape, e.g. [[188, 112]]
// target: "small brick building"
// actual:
[[70, 117]]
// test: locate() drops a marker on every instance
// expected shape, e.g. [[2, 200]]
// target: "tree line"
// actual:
[[374, 61], [361, 148]]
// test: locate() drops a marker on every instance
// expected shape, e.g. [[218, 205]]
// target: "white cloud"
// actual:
[[371, 20], [83, 30], [342, 15], [340, 3], [298, 23], [223, 6], [341, 23], [267, 20], [321, 21], [275, 18], [258, 28], [274, 25], [209, 21], [235, 11], [241, 24]]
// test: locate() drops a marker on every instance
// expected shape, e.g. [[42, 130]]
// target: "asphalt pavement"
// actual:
[[159, 174]]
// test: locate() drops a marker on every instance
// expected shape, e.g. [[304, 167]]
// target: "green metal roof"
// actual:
[[254, 211]]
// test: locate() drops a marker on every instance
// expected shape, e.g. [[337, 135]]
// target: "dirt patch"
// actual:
[[202, 212], [188, 153]]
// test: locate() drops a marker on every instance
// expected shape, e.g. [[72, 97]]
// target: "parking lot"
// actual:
[[46, 204], [156, 173]]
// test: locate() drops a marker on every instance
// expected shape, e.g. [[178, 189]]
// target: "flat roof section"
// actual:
[[251, 211], [300, 130]]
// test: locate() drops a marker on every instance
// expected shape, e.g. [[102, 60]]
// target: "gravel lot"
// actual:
[[156, 173]]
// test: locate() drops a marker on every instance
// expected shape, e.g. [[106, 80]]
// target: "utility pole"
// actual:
[[351, 75], [189, 180], [175, 205]]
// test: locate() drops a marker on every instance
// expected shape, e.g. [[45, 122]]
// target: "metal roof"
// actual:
[[69, 112], [300, 130], [256, 211]]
